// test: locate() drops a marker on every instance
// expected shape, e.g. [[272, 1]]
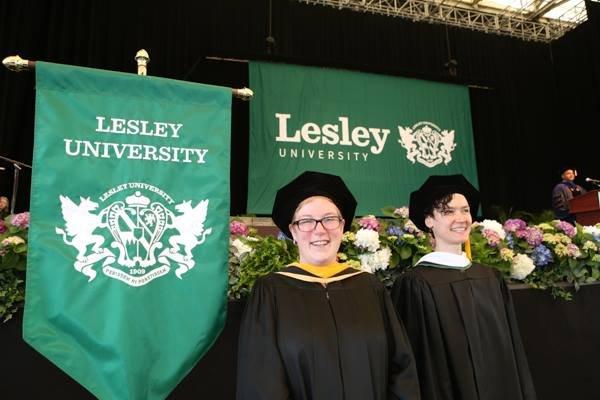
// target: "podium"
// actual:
[[586, 208]]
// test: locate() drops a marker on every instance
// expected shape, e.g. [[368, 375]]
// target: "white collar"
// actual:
[[450, 260]]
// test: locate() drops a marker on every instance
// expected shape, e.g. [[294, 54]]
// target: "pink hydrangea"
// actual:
[[573, 251], [369, 222], [513, 225], [238, 228], [492, 237], [531, 234], [567, 228], [534, 236], [21, 220]]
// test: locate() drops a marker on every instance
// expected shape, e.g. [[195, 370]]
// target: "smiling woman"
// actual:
[[459, 315], [318, 329], [317, 230], [450, 223]]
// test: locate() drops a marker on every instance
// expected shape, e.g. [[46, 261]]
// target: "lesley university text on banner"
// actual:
[[126, 275], [384, 135]]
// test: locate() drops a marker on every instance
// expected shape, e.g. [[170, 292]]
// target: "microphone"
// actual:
[[596, 181]]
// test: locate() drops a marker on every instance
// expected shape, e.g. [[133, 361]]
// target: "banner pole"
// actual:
[[17, 64], [142, 59]]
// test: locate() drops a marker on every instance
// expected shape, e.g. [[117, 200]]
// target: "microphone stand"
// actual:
[[593, 181], [17, 169]]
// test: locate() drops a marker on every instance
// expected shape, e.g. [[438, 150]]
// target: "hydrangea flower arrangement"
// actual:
[[13, 241], [489, 245], [568, 254], [13, 259], [384, 246], [544, 256]]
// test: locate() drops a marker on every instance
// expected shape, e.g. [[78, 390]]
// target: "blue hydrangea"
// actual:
[[394, 230], [541, 256], [510, 240]]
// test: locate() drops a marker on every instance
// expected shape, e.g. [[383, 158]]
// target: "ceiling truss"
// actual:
[[526, 23]]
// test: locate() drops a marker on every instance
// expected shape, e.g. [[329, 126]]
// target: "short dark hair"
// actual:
[[439, 203]]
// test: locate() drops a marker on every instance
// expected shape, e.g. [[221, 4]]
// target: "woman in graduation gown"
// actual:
[[317, 329], [459, 316]]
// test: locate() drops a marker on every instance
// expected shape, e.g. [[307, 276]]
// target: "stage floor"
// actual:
[[562, 341]]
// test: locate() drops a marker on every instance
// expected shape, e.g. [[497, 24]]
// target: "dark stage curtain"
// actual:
[[534, 105]]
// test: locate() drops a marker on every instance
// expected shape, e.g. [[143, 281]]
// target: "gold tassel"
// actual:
[[468, 249]]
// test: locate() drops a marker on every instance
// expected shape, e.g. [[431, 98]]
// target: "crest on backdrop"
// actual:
[[426, 143]]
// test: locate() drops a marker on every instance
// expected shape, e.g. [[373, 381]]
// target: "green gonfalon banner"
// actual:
[[126, 274], [384, 135]]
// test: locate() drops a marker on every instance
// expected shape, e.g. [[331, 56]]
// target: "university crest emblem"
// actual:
[[146, 236], [426, 143]]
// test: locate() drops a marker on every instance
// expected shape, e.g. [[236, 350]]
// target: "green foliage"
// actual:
[[12, 294], [499, 213], [544, 216], [13, 246], [268, 254], [485, 254], [550, 279], [13, 260]]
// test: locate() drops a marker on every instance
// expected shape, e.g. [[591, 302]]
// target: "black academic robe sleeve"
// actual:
[[261, 374], [526, 380], [403, 382], [415, 303]]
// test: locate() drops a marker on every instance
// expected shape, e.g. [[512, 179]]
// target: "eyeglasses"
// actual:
[[310, 224]]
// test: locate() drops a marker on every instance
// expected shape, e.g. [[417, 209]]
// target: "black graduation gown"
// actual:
[[299, 340], [464, 334]]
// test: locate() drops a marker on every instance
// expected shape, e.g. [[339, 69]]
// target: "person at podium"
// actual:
[[563, 192]]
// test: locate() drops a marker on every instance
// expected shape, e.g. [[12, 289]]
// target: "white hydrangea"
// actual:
[[240, 249], [367, 239], [494, 226], [592, 230], [522, 265], [379, 260]]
